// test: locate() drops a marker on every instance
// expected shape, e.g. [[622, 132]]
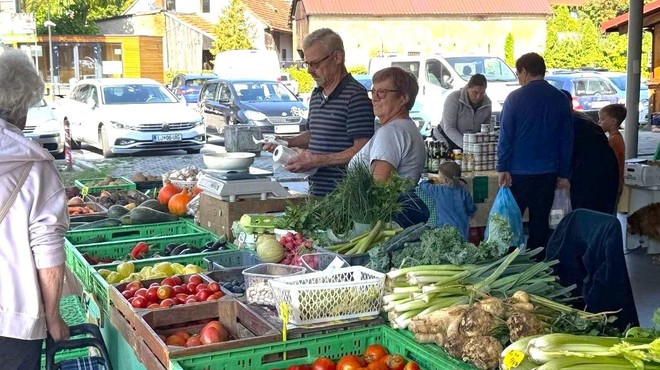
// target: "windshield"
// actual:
[[263, 91], [198, 81], [137, 94], [492, 67], [621, 81]]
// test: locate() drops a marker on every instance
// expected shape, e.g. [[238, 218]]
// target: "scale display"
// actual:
[[232, 185]]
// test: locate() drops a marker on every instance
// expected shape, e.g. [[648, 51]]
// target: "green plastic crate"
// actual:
[[131, 232], [118, 250], [73, 313], [126, 184], [99, 287], [306, 350]]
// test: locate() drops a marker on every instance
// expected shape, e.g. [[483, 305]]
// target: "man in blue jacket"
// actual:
[[535, 145]]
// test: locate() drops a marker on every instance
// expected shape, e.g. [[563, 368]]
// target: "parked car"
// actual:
[[43, 127], [619, 81], [290, 83], [130, 115], [590, 91], [416, 113], [268, 105], [187, 86]]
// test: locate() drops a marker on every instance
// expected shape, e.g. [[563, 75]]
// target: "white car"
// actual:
[[124, 116], [290, 83], [43, 127]]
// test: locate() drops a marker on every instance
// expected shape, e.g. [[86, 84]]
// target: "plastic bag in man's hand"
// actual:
[[505, 205], [561, 206]]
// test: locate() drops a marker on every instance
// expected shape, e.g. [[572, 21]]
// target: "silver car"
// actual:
[[43, 127], [124, 116]]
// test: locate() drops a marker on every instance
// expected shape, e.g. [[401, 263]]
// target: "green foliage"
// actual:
[[573, 43], [357, 70], [304, 79], [233, 30], [72, 17], [508, 50]]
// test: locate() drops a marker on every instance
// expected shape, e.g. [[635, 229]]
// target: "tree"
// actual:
[[508, 50], [233, 31]]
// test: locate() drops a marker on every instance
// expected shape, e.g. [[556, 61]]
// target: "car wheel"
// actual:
[[105, 146], [193, 151]]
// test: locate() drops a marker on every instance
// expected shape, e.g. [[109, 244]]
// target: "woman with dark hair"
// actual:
[[465, 111], [594, 169]]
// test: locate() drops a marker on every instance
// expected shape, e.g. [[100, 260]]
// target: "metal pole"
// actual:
[[633, 79], [50, 45]]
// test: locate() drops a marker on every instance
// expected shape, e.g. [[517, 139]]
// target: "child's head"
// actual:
[[611, 116], [450, 173]]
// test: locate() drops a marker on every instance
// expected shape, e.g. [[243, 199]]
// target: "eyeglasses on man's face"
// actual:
[[315, 64], [380, 93]]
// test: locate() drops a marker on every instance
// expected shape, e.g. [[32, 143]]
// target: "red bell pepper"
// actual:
[[140, 250]]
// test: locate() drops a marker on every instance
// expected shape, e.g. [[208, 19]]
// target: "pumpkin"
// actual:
[[178, 202], [166, 192], [196, 190]]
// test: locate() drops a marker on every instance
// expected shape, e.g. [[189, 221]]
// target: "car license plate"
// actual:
[[287, 129], [599, 104], [167, 137]]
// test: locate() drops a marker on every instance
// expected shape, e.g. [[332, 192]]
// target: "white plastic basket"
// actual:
[[339, 294], [257, 290], [321, 261]]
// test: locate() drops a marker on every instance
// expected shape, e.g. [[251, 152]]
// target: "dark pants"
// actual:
[[18, 354], [414, 210], [536, 193]]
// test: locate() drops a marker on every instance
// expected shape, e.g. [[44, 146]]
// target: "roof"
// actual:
[[275, 13], [576, 3], [425, 7], [195, 21], [620, 23], [120, 81]]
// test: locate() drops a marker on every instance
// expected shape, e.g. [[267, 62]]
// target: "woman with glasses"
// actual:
[[464, 112], [397, 146]]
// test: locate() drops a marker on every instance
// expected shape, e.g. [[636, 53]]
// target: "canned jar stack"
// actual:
[[480, 151]]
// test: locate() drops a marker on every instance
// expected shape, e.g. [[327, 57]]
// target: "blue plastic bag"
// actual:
[[506, 206]]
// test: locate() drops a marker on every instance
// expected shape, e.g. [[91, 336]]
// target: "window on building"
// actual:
[[206, 6]]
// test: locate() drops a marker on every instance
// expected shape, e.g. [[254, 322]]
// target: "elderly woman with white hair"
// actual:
[[33, 221]]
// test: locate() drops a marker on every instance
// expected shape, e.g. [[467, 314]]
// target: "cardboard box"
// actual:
[[218, 215]]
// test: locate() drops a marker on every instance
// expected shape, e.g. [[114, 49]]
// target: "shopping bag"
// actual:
[[505, 206], [561, 206]]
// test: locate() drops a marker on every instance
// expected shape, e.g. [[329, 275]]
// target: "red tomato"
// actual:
[[193, 342], [412, 365], [178, 289], [200, 287], [154, 285], [127, 294], [374, 352], [323, 363], [133, 286], [191, 300], [183, 334], [218, 327], [139, 302], [213, 287], [299, 367], [167, 302], [181, 297], [168, 281], [165, 291], [202, 295], [394, 362], [142, 292], [209, 335], [175, 340], [191, 287], [215, 296], [195, 279], [378, 365], [152, 294], [153, 306], [177, 279], [350, 362]]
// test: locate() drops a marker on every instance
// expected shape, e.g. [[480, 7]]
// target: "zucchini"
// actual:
[[146, 215], [108, 222], [155, 205], [410, 234], [116, 211]]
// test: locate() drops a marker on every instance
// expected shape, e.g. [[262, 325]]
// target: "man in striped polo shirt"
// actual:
[[341, 116]]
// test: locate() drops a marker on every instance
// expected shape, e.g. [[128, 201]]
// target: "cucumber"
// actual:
[[108, 222], [145, 215]]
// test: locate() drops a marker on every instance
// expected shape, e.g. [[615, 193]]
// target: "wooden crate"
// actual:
[[218, 215], [244, 326]]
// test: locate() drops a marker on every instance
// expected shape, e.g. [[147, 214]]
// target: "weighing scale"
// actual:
[[250, 183]]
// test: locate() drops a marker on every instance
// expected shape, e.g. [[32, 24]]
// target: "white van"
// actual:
[[252, 64], [440, 74]]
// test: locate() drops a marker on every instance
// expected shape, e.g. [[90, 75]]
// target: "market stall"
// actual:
[[258, 278]]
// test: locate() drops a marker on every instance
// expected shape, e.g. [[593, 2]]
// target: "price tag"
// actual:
[[512, 359], [284, 315], [84, 191]]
